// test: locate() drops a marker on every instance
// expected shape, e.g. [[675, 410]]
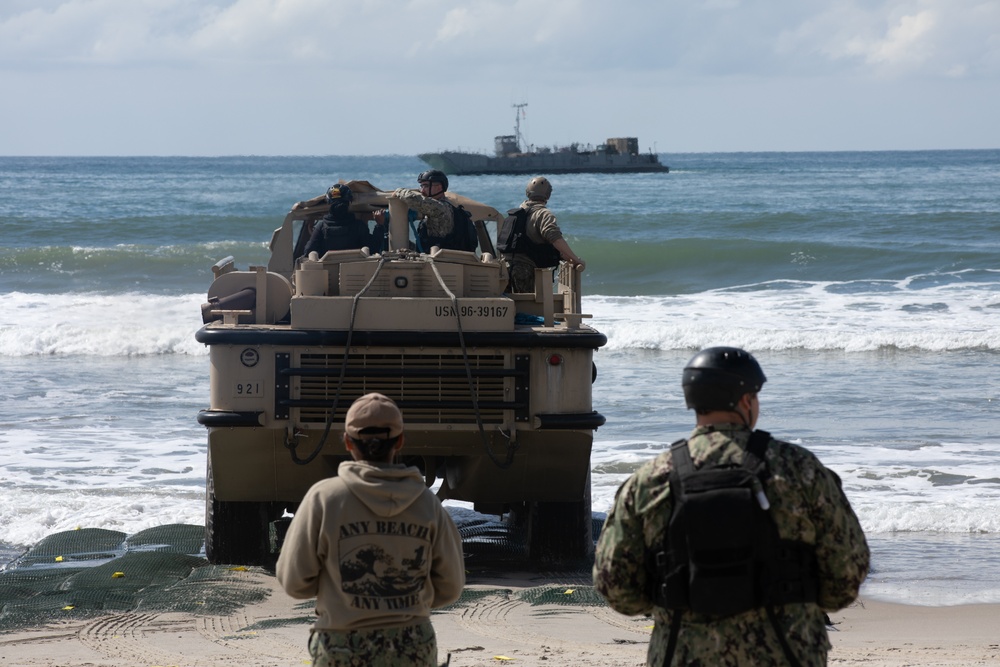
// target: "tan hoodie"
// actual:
[[375, 548]]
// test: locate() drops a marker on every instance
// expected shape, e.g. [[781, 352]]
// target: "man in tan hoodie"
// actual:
[[375, 548]]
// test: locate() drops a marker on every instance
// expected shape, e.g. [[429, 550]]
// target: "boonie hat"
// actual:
[[373, 411]]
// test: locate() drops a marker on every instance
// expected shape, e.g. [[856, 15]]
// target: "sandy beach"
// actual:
[[517, 618]]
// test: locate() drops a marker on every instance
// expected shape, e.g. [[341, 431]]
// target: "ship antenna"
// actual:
[[517, 125]]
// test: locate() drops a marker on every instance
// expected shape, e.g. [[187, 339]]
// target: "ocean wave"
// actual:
[[122, 325], [930, 312], [934, 313], [121, 268]]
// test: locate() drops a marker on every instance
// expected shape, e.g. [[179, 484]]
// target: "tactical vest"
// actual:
[[340, 232], [513, 239], [462, 235], [722, 554]]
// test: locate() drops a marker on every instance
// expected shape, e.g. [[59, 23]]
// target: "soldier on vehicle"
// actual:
[[530, 238], [340, 229], [375, 548], [735, 542], [444, 224]]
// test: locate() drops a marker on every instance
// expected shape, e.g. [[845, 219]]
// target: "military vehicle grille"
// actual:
[[429, 388]]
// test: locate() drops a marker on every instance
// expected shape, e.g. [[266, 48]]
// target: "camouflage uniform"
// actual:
[[807, 504], [409, 646], [541, 227], [439, 214]]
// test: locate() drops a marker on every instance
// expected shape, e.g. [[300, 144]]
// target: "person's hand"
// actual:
[[577, 263], [379, 216]]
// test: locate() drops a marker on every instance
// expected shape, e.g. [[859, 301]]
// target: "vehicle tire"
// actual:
[[236, 532], [559, 531]]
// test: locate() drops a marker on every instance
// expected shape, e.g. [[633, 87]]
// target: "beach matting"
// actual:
[[100, 598], [515, 618]]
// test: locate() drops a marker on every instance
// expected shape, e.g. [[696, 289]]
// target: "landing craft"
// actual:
[[512, 155], [495, 387]]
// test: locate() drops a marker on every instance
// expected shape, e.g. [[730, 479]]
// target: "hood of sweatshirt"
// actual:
[[386, 489]]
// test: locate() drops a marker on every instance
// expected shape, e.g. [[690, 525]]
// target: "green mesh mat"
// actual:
[[90, 571], [83, 544], [82, 573], [568, 595], [470, 595], [175, 538]]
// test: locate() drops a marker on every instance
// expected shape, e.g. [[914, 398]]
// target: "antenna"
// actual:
[[517, 123]]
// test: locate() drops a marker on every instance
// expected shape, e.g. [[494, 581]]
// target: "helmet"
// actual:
[[339, 192], [538, 188], [433, 176], [717, 377]]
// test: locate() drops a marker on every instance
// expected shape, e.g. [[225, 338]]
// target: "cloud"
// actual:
[[558, 38], [161, 76], [900, 38], [99, 32], [906, 42]]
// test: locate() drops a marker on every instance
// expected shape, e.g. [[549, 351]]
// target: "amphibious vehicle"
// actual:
[[495, 387]]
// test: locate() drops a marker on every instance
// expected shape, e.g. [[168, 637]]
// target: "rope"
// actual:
[[511, 446], [289, 443]]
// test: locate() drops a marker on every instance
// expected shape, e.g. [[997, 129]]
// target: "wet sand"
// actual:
[[517, 618]]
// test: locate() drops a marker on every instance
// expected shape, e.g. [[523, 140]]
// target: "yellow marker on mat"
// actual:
[[68, 607], [59, 559], [570, 591], [238, 568], [117, 575], [501, 657]]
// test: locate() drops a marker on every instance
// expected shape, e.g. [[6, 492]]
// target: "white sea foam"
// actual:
[[99, 324], [809, 316], [951, 488], [780, 316], [32, 514]]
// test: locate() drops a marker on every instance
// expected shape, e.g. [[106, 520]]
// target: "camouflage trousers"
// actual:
[[408, 646], [522, 274]]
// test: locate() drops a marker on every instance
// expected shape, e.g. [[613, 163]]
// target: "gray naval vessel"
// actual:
[[495, 387], [619, 154]]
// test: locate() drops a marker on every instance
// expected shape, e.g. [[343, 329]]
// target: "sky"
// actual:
[[400, 77]]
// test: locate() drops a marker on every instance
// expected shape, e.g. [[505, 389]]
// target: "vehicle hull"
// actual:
[[458, 163], [259, 410]]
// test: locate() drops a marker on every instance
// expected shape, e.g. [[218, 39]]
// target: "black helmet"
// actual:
[[339, 192], [433, 176], [717, 377]]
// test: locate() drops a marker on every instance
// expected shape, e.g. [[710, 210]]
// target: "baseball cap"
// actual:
[[373, 411]]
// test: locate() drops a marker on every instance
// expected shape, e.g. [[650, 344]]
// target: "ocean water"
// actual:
[[867, 284]]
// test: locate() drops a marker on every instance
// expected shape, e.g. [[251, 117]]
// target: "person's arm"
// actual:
[[448, 564], [300, 562], [548, 228], [842, 552], [315, 240], [567, 254], [620, 573], [440, 220]]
